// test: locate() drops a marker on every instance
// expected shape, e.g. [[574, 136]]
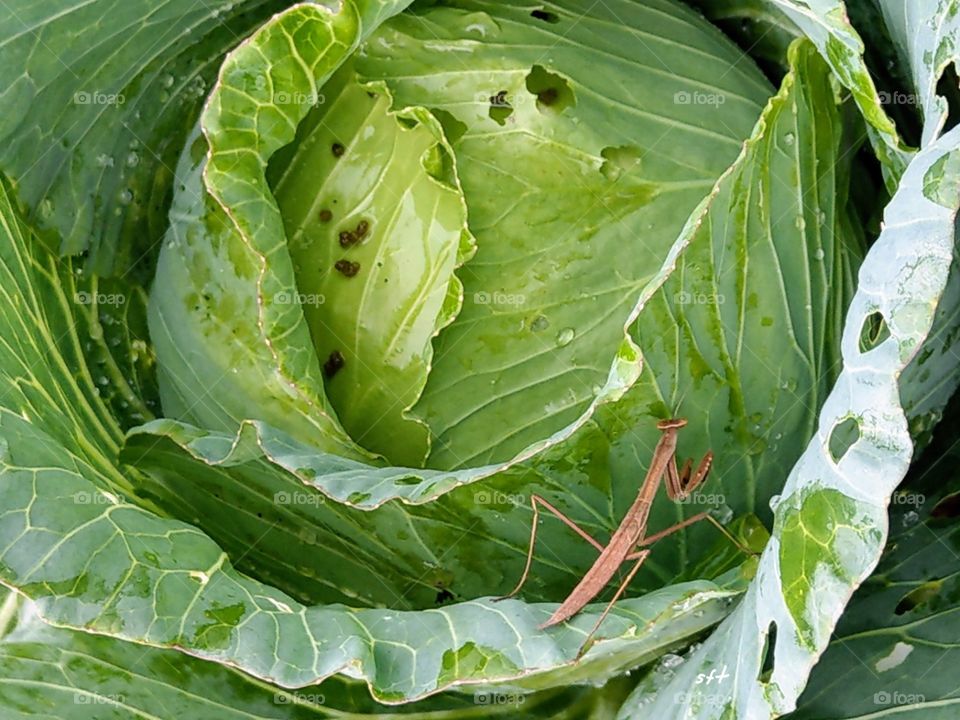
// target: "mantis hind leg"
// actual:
[[534, 501], [639, 557]]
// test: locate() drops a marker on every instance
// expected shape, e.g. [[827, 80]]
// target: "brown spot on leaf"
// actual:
[[337, 149], [326, 215], [347, 267]]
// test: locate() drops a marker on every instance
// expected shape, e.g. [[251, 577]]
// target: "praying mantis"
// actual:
[[630, 535]]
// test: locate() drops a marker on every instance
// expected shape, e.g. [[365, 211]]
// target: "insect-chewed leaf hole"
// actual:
[[453, 128], [545, 15], [873, 331], [948, 87], [768, 653], [500, 108], [552, 91], [844, 434], [918, 597], [619, 159]]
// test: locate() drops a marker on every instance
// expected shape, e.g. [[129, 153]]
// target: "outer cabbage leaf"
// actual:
[[50, 672], [894, 647], [826, 23], [97, 101]]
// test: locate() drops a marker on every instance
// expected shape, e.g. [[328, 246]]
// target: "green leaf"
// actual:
[[925, 36], [744, 335], [51, 672], [825, 22], [582, 146], [830, 521], [230, 346], [95, 563], [97, 100], [894, 647], [375, 226]]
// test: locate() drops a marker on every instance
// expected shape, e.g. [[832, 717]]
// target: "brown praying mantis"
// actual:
[[631, 534]]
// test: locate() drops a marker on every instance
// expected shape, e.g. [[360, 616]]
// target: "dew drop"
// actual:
[[789, 138], [104, 161], [133, 159], [539, 323], [565, 336], [818, 254], [671, 661]]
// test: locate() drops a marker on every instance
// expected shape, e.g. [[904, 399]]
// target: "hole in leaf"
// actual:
[[618, 160], [500, 108], [873, 331], [452, 127], [552, 91], [842, 438], [918, 597], [545, 15], [948, 87], [334, 364], [768, 654]]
